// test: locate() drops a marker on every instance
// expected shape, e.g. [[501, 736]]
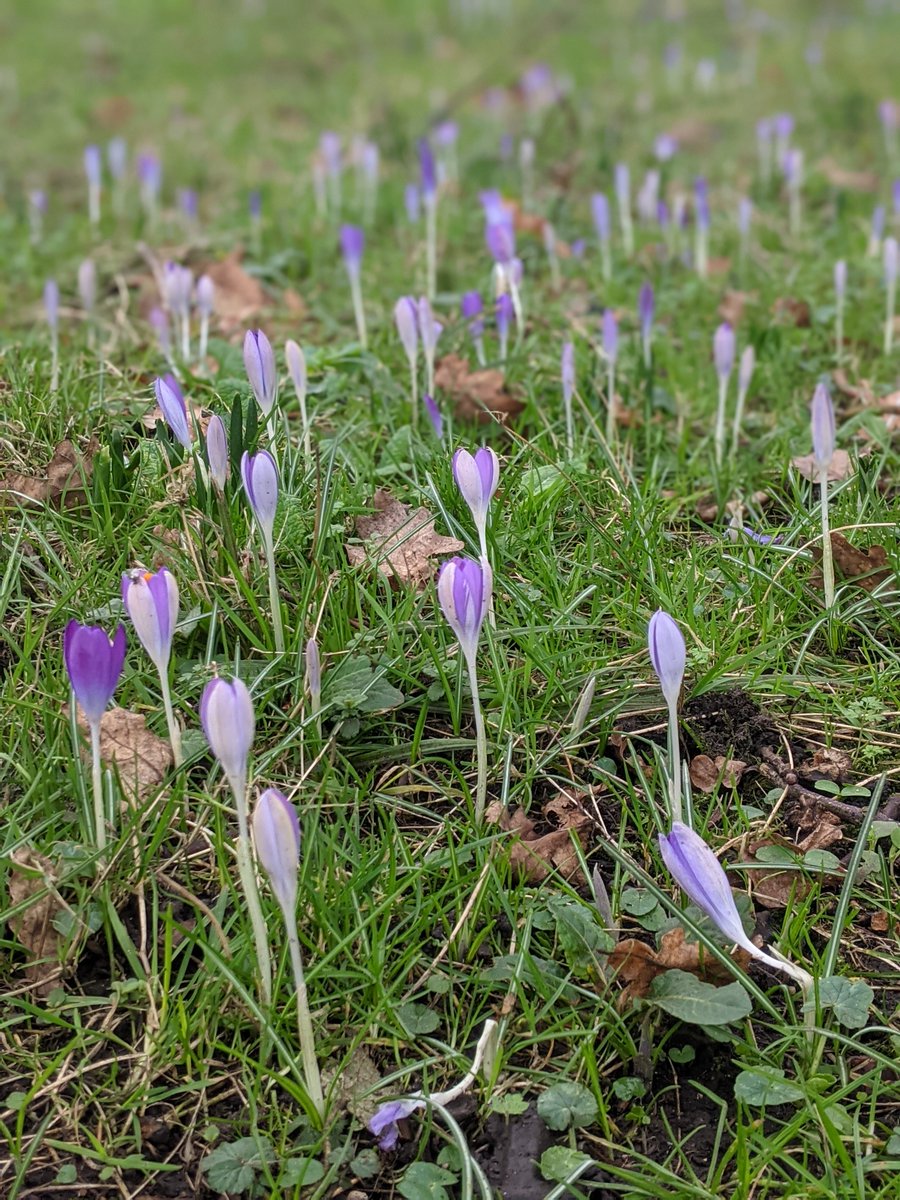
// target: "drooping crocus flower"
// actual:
[[890, 260], [384, 1125], [94, 664], [745, 374], [296, 362], [93, 170], [228, 720], [353, 241], [406, 318], [699, 874], [429, 331], [723, 357], [434, 416], [151, 601], [260, 477], [600, 211], [623, 201], [477, 476], [823, 438], [172, 405], [464, 591], [567, 368], [471, 307], [87, 285], [276, 839], [51, 311], [645, 312], [217, 451], [610, 352], [504, 315], [668, 655], [259, 363]]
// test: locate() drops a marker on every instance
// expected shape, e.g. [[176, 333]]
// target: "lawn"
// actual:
[[521, 980]]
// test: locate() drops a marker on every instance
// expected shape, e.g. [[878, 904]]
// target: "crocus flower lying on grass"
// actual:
[[700, 875], [228, 720], [464, 591], [94, 664], [151, 601], [668, 655], [276, 837], [353, 242], [823, 452], [260, 477]]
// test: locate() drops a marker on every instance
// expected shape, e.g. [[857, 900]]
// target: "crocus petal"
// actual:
[[823, 432], [94, 664], [259, 362], [699, 874], [406, 318], [170, 399], [667, 653], [260, 476], [226, 714], [464, 588], [723, 350], [276, 838], [151, 602]]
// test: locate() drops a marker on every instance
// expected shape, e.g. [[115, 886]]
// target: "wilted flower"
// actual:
[[384, 1124], [171, 402], [259, 361]]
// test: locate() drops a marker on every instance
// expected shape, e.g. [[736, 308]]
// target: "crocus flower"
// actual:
[[434, 416], [51, 305], [783, 127], [665, 147], [668, 655], [890, 259], [87, 284], [477, 476], [259, 361], [37, 210], [159, 319], [877, 230], [151, 601], [429, 331], [94, 664], [427, 172], [254, 206], [296, 362], [600, 212], [699, 874], [314, 678], [500, 236], [623, 200], [412, 203], [93, 170], [406, 318], [171, 402], [353, 242], [149, 170], [384, 1124], [823, 431], [188, 202], [217, 451], [464, 592], [645, 311], [205, 293], [276, 839], [610, 350], [228, 720], [745, 217], [610, 335], [260, 477], [723, 350], [840, 291], [745, 374]]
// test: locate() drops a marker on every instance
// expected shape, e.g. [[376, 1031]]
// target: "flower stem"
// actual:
[[674, 765], [274, 601], [414, 395], [610, 402], [97, 783], [827, 556], [720, 421], [304, 1020], [171, 723], [738, 418], [480, 743], [251, 894], [358, 311]]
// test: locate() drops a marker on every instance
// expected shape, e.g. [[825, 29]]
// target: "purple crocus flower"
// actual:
[[170, 399], [610, 335], [500, 236], [217, 451], [259, 362], [427, 171], [429, 331], [698, 873], [260, 477], [668, 654], [149, 169], [151, 601], [187, 202], [159, 319], [254, 206], [663, 218], [745, 369], [823, 431], [878, 215], [477, 476], [840, 280], [330, 150], [623, 185], [37, 198], [406, 318], [887, 114], [228, 720], [504, 312], [353, 242], [890, 260], [93, 166], [745, 215], [723, 350], [434, 416], [464, 592], [412, 202], [205, 294], [94, 664], [384, 1124], [276, 839]]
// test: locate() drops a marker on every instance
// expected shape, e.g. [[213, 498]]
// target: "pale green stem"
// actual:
[[795, 209], [54, 363], [610, 402], [171, 723], [827, 556], [307, 432], [97, 784], [720, 421], [702, 253], [358, 310], [627, 232], [839, 331], [431, 246], [414, 395], [274, 601], [480, 742], [570, 427], [674, 765], [486, 566], [251, 893], [304, 1020]]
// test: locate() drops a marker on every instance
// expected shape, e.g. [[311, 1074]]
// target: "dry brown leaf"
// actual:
[[708, 510], [839, 468], [64, 480], [858, 391], [535, 856], [113, 111], [238, 296], [732, 305], [476, 395], [827, 763], [854, 181], [864, 568], [141, 758], [718, 266], [771, 887], [828, 831], [32, 877], [692, 133], [878, 922], [706, 772], [638, 964], [294, 303], [791, 311], [400, 540]]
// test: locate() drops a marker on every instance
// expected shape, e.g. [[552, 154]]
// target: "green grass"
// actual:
[[150, 1052]]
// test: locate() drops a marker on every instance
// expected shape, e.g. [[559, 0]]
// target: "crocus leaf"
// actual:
[[765, 1085], [558, 1162], [566, 1105], [688, 998]]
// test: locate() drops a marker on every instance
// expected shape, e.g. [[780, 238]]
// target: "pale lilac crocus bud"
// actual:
[[171, 402], [723, 350], [471, 307], [151, 601], [890, 260], [665, 147], [434, 416], [188, 203], [260, 477], [645, 312], [840, 291], [37, 210], [464, 591], [877, 229], [406, 318], [668, 654], [412, 203], [217, 451], [600, 212], [117, 157], [823, 430], [93, 170], [745, 369], [159, 319], [259, 362], [149, 170], [623, 200], [87, 285], [477, 476], [228, 720], [276, 839], [353, 242]]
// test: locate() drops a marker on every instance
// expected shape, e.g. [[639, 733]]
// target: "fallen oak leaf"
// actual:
[[238, 297], [476, 395], [141, 758], [840, 467], [706, 772], [402, 541], [64, 481], [32, 881], [536, 856], [639, 963], [733, 303], [865, 568]]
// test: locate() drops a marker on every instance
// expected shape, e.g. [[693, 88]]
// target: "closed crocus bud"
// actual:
[[645, 309], [668, 654], [259, 361], [890, 261], [464, 592], [505, 312], [823, 434], [51, 304], [226, 714], [427, 171], [93, 165], [151, 601], [296, 363], [170, 399], [600, 212], [610, 335], [840, 279], [117, 157], [471, 306], [665, 147], [206, 296], [94, 664], [87, 284], [217, 451], [723, 350], [276, 839], [568, 373], [745, 369], [412, 203], [159, 319], [477, 476], [698, 873], [353, 242], [499, 235], [406, 316], [260, 476], [623, 185], [434, 416]]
